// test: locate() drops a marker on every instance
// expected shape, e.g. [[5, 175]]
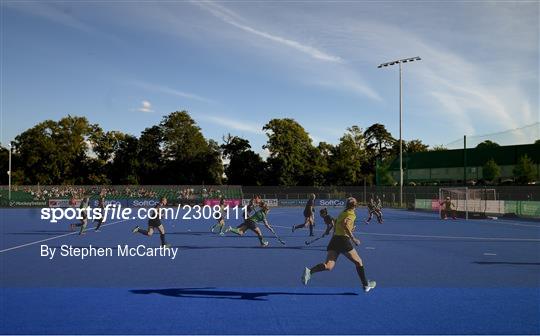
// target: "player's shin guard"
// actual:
[[83, 228], [261, 239], [362, 275], [162, 237]]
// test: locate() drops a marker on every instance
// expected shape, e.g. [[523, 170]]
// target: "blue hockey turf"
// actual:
[[433, 277]]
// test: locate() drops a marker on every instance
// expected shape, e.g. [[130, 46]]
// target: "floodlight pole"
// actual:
[[9, 174], [400, 138], [399, 62]]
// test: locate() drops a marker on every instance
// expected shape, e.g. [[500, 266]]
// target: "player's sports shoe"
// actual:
[[135, 229], [264, 244], [306, 276], [235, 230], [166, 245], [222, 233], [370, 286], [212, 228], [97, 230]]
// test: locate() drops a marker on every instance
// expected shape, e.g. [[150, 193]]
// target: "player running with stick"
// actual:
[[250, 208], [221, 219], [374, 209], [83, 217], [341, 244], [155, 223], [251, 223], [378, 210], [99, 221], [329, 221], [309, 214]]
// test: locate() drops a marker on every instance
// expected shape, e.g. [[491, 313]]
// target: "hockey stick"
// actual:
[[315, 239], [275, 235]]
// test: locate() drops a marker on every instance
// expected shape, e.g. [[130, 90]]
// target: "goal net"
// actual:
[[470, 203]]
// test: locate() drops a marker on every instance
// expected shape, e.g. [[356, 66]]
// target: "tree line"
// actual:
[[74, 151]]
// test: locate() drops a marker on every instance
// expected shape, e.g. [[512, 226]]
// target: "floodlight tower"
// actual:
[[400, 61], [9, 173]]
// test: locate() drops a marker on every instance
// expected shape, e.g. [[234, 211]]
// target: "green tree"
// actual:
[[491, 170], [4, 165], [211, 165], [245, 167], [103, 147], [487, 144], [150, 157], [348, 158], [125, 164], [415, 146], [188, 157], [525, 170], [54, 152], [438, 148], [379, 147], [379, 141], [290, 150]]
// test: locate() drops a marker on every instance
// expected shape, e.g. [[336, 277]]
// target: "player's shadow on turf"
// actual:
[[236, 237], [446, 240], [277, 246], [506, 263], [191, 233], [44, 233], [212, 293]]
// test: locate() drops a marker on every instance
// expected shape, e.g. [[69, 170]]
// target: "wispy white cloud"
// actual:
[[50, 12], [234, 19], [329, 70], [349, 82], [451, 86], [146, 106], [234, 124], [169, 91], [59, 13]]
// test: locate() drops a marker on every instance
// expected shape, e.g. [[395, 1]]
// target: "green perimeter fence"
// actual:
[[518, 200]]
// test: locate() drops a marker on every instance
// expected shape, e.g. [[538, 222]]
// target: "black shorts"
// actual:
[[307, 213], [154, 223], [340, 244], [250, 224]]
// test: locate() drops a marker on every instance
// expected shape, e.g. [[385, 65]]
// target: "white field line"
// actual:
[[55, 237]]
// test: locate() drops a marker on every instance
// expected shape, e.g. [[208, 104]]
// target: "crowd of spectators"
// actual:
[[177, 193]]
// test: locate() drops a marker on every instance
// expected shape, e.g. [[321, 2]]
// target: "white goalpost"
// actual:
[[476, 203]]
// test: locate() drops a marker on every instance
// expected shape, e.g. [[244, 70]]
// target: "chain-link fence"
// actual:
[[388, 194]]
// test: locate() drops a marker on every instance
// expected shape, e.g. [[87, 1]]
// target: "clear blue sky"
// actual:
[[236, 65]]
